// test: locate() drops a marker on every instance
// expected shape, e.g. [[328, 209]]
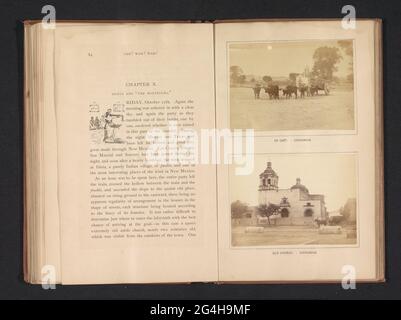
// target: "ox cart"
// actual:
[[319, 84]]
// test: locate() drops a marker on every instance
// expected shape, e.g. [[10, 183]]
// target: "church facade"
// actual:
[[297, 205]]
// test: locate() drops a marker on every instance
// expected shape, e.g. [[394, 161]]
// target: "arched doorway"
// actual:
[[308, 212], [285, 213]]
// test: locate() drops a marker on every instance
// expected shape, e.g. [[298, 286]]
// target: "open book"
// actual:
[[203, 152]]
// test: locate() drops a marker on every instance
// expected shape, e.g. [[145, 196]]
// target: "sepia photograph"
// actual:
[[293, 199], [292, 85]]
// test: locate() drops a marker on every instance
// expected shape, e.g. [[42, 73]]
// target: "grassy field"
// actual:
[[288, 235], [332, 112]]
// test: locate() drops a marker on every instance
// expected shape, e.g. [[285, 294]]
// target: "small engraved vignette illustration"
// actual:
[[106, 123]]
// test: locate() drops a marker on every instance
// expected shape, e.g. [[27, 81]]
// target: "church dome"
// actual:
[[268, 171], [300, 186]]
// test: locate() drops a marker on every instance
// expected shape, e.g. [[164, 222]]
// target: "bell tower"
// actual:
[[268, 179]]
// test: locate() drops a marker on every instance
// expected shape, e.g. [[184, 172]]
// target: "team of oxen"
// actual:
[[289, 91]]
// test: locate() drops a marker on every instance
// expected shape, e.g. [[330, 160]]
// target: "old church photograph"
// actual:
[[302, 199]]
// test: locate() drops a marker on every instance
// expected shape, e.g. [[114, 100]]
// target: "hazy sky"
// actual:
[[333, 175], [279, 59]]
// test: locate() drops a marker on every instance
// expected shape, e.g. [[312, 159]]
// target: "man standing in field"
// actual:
[[256, 90]]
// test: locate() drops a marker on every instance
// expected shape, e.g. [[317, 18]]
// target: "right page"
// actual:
[[307, 207]]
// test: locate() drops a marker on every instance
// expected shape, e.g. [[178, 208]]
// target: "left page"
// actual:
[[128, 98]]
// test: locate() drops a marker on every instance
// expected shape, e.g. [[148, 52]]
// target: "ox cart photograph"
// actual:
[[292, 85]]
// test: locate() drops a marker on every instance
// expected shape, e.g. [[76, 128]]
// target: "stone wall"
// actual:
[[297, 206]]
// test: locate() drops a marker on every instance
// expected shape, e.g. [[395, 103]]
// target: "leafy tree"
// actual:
[[325, 60], [268, 210], [349, 209], [336, 220], [238, 208], [346, 45], [267, 79], [293, 76]]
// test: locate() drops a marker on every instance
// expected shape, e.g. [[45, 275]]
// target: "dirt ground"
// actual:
[[97, 135], [288, 235], [332, 112]]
